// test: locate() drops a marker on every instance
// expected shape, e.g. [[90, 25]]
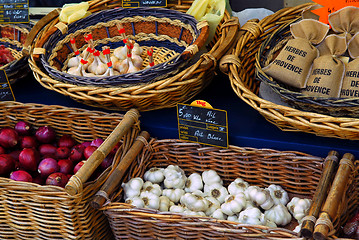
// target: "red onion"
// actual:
[[57, 179], [86, 144], [8, 137], [23, 128], [66, 141], [78, 166], [88, 151], [2, 150], [38, 179], [28, 142], [63, 152], [97, 142], [48, 166], [45, 134], [66, 166], [29, 159], [21, 175], [47, 150], [107, 161], [77, 153], [7, 164], [116, 147]]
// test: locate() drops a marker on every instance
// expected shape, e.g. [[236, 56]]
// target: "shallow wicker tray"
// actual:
[[165, 93], [340, 107], [32, 211], [240, 67], [13, 37], [298, 173]]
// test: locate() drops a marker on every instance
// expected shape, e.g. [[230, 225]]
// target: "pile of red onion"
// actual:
[[41, 156]]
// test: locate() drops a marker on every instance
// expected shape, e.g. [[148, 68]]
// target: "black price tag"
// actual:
[[6, 93], [143, 3], [14, 11], [203, 125]]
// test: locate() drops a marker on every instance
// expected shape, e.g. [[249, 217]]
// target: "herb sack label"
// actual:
[[293, 63]]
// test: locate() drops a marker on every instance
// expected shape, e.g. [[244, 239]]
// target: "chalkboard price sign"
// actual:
[[143, 3], [203, 125], [14, 11], [6, 93]]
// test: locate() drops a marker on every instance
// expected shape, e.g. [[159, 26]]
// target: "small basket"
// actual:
[[33, 211], [337, 107], [178, 86], [13, 37], [240, 66], [298, 173]]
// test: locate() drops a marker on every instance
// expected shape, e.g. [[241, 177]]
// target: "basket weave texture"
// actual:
[[32, 211], [13, 37], [298, 173], [240, 65], [177, 87], [340, 107]]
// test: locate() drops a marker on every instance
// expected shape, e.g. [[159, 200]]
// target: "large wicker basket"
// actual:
[[33, 211], [298, 173], [178, 87], [13, 37], [240, 67]]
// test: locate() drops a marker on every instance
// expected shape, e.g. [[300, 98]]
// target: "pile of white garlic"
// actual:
[[169, 189], [94, 63]]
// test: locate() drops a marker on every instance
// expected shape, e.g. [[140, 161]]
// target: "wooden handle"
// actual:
[[321, 192], [37, 28], [74, 185], [335, 195], [116, 176], [198, 44]]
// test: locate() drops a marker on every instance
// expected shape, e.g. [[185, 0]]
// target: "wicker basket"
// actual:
[[32, 211], [165, 93], [240, 67], [337, 107], [13, 37], [298, 173]]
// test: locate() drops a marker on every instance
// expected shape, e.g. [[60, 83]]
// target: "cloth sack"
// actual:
[[345, 21]]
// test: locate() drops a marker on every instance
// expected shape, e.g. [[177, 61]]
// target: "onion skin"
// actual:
[[57, 179], [9, 138], [66, 166], [21, 175], [48, 166], [23, 128], [45, 134], [77, 153], [66, 141], [28, 142], [29, 158], [78, 166], [62, 152], [2, 150], [88, 151], [47, 150], [7, 164]]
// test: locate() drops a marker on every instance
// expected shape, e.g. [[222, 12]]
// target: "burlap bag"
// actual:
[[294, 61], [326, 77], [350, 87], [345, 21]]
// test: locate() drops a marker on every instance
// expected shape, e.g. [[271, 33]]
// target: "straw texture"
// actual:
[[32, 211], [165, 93], [240, 67], [298, 173]]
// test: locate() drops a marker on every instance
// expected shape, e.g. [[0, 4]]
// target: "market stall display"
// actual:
[[30, 210], [177, 86], [12, 60], [195, 175], [240, 66]]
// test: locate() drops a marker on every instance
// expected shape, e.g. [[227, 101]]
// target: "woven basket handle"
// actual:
[[116, 176], [39, 26], [194, 48], [74, 186]]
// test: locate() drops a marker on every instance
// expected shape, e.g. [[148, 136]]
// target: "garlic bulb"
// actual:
[[279, 215], [234, 204], [135, 201], [74, 61], [299, 207], [137, 50], [133, 187], [173, 194], [232, 218], [120, 52], [193, 183], [177, 208], [213, 205], [194, 202], [174, 177], [137, 61], [210, 176], [237, 186], [252, 216], [194, 213], [217, 191], [259, 196], [152, 187], [278, 194], [165, 204], [218, 214], [154, 175], [131, 66], [150, 200]]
